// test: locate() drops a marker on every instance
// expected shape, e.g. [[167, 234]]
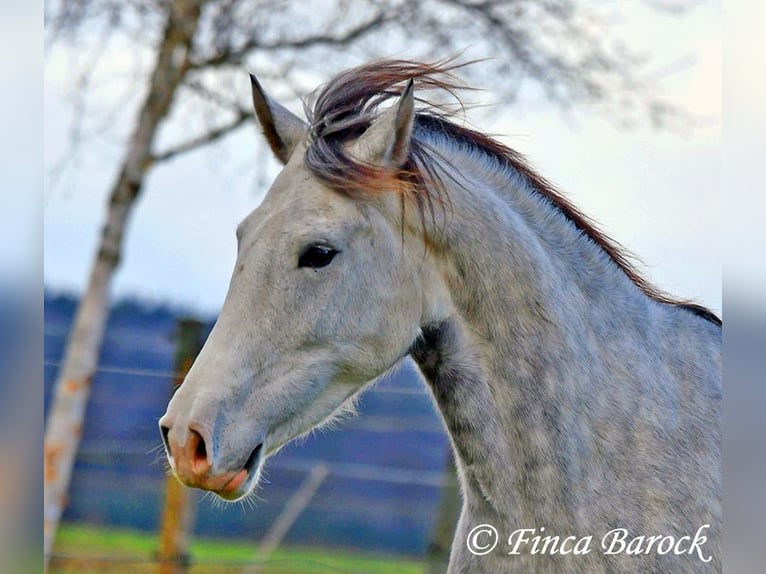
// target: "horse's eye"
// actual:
[[316, 256]]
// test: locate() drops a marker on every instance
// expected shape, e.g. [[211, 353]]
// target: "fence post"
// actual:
[[292, 509], [178, 510], [448, 512]]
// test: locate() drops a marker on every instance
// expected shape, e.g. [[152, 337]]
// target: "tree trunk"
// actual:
[[72, 386]]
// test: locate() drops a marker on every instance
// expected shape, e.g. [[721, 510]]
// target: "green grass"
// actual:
[[90, 549]]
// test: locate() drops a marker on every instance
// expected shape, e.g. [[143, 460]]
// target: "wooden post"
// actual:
[[178, 510], [438, 552]]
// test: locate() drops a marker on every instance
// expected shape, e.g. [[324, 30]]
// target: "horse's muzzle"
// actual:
[[191, 462]]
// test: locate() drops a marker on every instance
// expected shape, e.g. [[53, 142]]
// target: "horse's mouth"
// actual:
[[240, 483]]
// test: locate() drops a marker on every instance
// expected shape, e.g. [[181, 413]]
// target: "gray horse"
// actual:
[[582, 404]]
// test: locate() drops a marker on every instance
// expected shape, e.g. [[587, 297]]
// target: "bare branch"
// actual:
[[234, 57], [207, 138]]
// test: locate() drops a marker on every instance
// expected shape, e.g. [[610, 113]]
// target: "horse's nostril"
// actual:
[[197, 451], [200, 451], [165, 431]]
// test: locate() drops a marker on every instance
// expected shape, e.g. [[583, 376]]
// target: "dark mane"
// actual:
[[344, 109]]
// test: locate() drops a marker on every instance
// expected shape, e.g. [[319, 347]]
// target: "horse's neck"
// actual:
[[540, 317], [569, 395], [455, 372]]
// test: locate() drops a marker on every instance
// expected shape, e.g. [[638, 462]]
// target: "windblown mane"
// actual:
[[345, 107]]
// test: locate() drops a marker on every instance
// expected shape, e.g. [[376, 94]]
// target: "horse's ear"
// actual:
[[282, 128], [387, 140]]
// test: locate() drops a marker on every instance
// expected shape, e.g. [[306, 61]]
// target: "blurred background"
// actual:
[[151, 159]]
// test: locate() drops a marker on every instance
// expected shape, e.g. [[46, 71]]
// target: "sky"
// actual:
[[657, 193]]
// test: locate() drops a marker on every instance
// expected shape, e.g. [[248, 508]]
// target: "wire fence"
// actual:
[[170, 375]]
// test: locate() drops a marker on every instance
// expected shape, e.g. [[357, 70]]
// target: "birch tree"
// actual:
[[564, 49], [64, 424]]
